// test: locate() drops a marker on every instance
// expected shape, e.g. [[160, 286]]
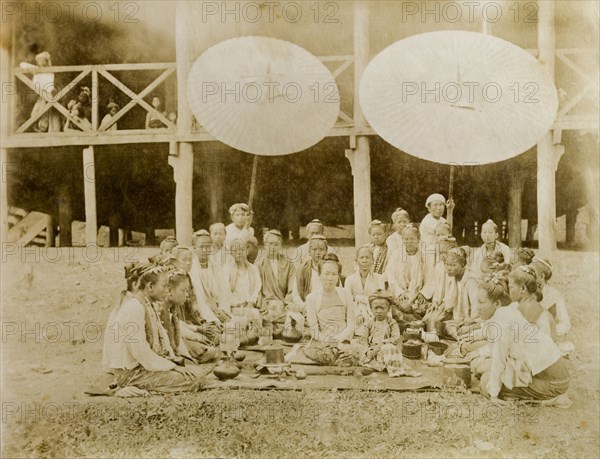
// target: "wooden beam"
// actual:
[[95, 101], [65, 211], [515, 207], [131, 136], [53, 102], [360, 163], [361, 55], [135, 100], [138, 98], [4, 131], [89, 190], [183, 163], [546, 186], [347, 63], [89, 68], [360, 158], [4, 192], [183, 173], [184, 113], [578, 123]]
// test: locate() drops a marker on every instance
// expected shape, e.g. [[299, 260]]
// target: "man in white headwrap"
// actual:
[[436, 204]]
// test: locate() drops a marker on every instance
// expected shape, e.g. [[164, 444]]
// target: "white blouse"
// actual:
[[519, 350]]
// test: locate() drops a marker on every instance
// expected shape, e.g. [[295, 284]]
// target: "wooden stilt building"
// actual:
[[345, 35]]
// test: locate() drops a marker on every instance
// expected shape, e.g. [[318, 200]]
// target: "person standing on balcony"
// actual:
[[44, 82], [112, 108], [152, 122], [85, 103], [75, 112]]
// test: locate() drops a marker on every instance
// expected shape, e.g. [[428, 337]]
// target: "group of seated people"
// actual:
[[179, 306]]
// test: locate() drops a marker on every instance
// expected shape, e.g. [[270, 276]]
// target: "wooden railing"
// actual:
[[95, 133], [50, 100]]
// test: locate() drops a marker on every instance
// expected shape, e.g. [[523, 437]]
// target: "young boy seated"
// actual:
[[382, 337]]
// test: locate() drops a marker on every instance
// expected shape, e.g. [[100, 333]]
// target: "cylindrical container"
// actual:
[[430, 325], [274, 355], [440, 329], [411, 349]]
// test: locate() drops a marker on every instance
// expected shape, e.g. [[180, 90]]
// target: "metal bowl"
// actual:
[[438, 347]]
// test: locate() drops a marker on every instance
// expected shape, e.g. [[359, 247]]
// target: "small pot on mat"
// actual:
[[411, 349], [438, 347]]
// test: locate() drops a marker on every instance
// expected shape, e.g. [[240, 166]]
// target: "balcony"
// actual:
[[578, 109]]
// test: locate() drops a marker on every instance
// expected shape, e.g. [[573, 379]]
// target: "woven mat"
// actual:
[[332, 377]]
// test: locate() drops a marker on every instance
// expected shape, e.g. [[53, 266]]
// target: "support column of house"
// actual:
[[546, 188], [183, 173], [4, 192], [4, 127], [516, 184], [359, 153], [215, 186], [89, 191], [182, 158]]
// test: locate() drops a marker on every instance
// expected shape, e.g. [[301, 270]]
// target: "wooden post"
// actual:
[[571, 220], [360, 157], [183, 163], [184, 114], [4, 191], [65, 212], [4, 131], [546, 188], [95, 100], [215, 189], [89, 191], [183, 171], [515, 207]]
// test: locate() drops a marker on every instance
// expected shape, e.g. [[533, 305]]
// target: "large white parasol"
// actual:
[[458, 97], [263, 95]]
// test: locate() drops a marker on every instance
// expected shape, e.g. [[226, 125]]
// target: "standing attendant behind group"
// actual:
[[436, 204], [400, 219], [239, 228]]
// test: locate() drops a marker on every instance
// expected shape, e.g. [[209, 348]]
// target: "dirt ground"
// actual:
[[54, 308]]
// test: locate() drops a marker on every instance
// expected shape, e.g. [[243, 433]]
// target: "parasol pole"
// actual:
[[253, 182], [449, 217], [451, 182]]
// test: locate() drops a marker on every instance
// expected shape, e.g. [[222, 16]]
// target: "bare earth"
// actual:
[[52, 343]]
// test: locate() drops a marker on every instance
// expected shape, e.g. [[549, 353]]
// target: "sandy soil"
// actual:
[[52, 341]]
